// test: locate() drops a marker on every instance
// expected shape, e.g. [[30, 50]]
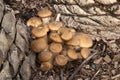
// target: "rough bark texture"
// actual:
[[98, 18], [16, 61]]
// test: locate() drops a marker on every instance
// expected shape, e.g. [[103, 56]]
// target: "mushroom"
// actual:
[[45, 14], [72, 54], [54, 26], [61, 60], [58, 17], [45, 56], [62, 29], [55, 37], [85, 40], [39, 45], [73, 30], [46, 27], [34, 22], [59, 34], [66, 34], [46, 66], [73, 42], [85, 52], [39, 32], [55, 47]]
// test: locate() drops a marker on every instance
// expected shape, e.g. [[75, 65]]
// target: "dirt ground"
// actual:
[[100, 20]]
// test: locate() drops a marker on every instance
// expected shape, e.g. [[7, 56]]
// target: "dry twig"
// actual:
[[95, 74], [61, 74], [116, 76]]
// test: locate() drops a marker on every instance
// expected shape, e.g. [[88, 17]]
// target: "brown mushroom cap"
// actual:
[[73, 30], [45, 66], [43, 13], [85, 40], [39, 44], [66, 34], [72, 54], [39, 32], [73, 42], [45, 56], [54, 26], [34, 22], [62, 29], [55, 37], [85, 52], [55, 47], [46, 27], [61, 60]]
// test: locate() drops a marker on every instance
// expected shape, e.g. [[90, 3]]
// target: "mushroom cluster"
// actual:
[[55, 43]]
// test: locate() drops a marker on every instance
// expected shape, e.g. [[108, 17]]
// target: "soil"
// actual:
[[102, 64]]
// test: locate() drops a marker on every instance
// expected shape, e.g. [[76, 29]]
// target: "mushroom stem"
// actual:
[[46, 20], [58, 17]]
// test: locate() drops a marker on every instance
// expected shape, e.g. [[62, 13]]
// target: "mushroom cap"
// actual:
[[61, 60], [46, 27], [34, 22], [46, 66], [55, 37], [85, 40], [85, 52], [62, 29], [43, 13], [45, 56], [72, 54], [54, 26], [73, 42], [39, 44], [66, 34], [73, 30], [55, 47], [39, 32]]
